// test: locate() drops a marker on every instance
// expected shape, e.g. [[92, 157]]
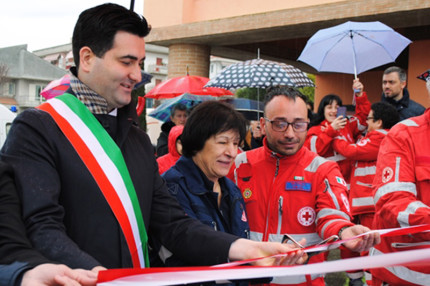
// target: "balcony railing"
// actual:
[[157, 69]]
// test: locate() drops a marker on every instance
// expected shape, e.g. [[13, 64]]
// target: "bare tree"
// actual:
[[4, 69]]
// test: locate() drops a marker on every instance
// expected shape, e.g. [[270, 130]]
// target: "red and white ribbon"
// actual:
[[229, 271]]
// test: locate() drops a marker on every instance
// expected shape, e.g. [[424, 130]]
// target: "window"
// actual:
[[159, 62], [11, 89], [8, 126], [39, 89]]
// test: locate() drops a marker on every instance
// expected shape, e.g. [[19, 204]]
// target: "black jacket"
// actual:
[[67, 216], [406, 107], [163, 139], [16, 252]]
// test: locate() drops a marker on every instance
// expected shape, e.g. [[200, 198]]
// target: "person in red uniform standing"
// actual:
[[290, 190], [326, 125], [364, 153], [402, 196], [175, 150]]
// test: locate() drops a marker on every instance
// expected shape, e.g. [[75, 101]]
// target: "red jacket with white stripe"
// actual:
[[168, 160], [402, 195], [319, 138], [303, 195], [363, 154]]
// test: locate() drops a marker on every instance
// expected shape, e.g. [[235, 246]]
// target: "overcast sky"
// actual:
[[44, 23]]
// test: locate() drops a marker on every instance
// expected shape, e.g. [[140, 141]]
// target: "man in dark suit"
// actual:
[[23, 264], [87, 174]]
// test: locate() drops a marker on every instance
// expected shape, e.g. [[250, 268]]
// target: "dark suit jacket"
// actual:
[[67, 216], [14, 244]]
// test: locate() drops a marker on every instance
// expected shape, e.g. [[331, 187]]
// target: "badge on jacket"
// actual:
[[247, 193], [306, 216], [298, 186]]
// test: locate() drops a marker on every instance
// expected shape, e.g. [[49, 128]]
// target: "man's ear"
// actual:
[[379, 124], [263, 126], [86, 59]]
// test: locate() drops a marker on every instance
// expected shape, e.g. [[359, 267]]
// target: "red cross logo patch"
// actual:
[[387, 174], [306, 216]]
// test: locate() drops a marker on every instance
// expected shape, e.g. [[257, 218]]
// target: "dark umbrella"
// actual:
[[259, 73], [251, 109]]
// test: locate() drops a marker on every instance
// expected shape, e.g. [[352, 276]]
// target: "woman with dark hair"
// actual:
[[328, 125], [210, 141]]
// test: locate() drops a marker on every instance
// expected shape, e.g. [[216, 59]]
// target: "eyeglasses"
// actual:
[[368, 118], [282, 125]]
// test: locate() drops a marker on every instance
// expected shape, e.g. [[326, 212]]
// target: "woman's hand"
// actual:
[[243, 249], [339, 123]]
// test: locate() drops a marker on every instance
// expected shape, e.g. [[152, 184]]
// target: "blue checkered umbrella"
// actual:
[[162, 112], [259, 73]]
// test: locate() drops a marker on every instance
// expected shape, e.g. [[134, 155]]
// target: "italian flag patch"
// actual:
[[341, 181]]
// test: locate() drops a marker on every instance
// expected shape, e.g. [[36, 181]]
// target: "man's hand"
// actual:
[[243, 249], [53, 274], [363, 243]]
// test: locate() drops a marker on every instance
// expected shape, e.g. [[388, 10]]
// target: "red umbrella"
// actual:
[[185, 84]]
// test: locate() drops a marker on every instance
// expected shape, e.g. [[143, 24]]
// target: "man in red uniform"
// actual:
[[291, 190], [402, 196]]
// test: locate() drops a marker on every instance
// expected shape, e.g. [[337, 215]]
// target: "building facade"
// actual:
[[24, 77], [194, 30]]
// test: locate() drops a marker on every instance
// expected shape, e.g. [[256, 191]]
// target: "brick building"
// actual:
[[195, 29]]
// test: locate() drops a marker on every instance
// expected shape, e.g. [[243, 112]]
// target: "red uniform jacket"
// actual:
[[402, 195], [363, 154], [303, 195], [319, 138], [168, 160]]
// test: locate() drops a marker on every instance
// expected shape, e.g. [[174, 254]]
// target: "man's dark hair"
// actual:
[[386, 112], [326, 100], [289, 92], [96, 28], [208, 119], [176, 107], [401, 72]]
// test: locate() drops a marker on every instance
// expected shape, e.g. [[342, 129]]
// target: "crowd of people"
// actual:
[[82, 191]]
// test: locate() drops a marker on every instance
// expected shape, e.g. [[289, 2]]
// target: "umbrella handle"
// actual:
[[351, 35]]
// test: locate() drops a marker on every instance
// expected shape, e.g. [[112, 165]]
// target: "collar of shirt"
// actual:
[[94, 102]]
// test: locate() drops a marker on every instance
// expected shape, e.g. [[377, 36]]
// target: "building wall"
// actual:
[[341, 84], [176, 12], [419, 62]]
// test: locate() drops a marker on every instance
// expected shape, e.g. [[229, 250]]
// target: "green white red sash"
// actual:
[[104, 160]]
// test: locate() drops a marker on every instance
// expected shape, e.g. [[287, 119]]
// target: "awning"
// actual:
[[52, 57], [8, 101]]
